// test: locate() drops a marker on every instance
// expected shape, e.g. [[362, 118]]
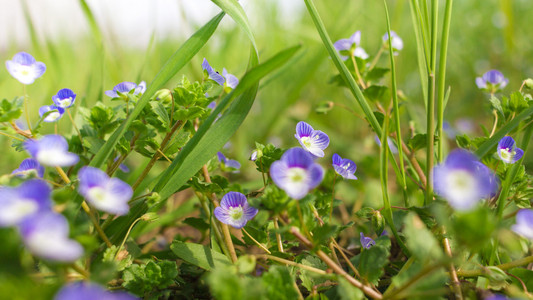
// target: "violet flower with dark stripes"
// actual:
[[27, 167], [64, 98], [126, 87], [351, 45], [230, 165], [492, 81], [53, 113], [463, 180], [524, 223], [25, 68], [212, 74], [83, 290], [314, 141], [23, 201], [107, 194], [51, 150], [508, 152], [366, 242], [234, 210], [344, 167], [296, 173]]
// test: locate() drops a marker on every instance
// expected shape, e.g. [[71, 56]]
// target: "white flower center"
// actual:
[[17, 210], [98, 194], [53, 116], [49, 156], [306, 141], [65, 102], [507, 155], [236, 213], [25, 70], [462, 186], [345, 167], [297, 175]]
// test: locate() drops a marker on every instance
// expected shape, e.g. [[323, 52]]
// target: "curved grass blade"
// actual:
[[235, 11]]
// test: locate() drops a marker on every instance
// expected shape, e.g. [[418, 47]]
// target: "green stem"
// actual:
[[357, 73], [332, 197], [478, 272], [255, 241], [376, 58], [126, 236], [26, 110], [11, 136], [75, 127]]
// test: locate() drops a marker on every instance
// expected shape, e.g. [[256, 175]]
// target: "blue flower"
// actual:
[[64, 98], [231, 80], [351, 45], [24, 201], [524, 223], [107, 194], [83, 290], [228, 164], [492, 81], [55, 113], [508, 152], [51, 150], [344, 167], [314, 141], [392, 147], [122, 167], [212, 74], [47, 236], [463, 180], [126, 87], [397, 42], [296, 173], [234, 210], [27, 167], [366, 242], [25, 68]]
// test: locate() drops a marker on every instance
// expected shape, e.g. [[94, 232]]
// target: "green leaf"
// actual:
[[496, 104], [376, 74], [474, 228], [377, 93], [10, 110], [346, 291], [420, 241], [279, 284], [372, 261], [310, 279], [161, 112], [199, 255]]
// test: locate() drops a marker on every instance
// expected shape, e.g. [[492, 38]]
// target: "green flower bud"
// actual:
[[378, 222], [164, 95]]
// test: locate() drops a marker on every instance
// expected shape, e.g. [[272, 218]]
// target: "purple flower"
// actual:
[[126, 87], [463, 180], [21, 202], [231, 80], [212, 105], [507, 150], [234, 210], [82, 290], [397, 42], [296, 173], [55, 113], [212, 74], [51, 150], [107, 194], [122, 167], [314, 141], [392, 147], [47, 236], [492, 81], [351, 45], [524, 223], [24, 68], [228, 164], [64, 98], [29, 166], [344, 167], [366, 242]]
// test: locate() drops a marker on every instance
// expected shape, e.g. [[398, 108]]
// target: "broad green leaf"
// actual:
[[199, 255], [161, 113], [235, 11], [279, 284], [420, 241], [372, 261], [346, 291]]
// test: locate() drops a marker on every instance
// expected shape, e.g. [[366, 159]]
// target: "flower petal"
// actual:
[[233, 199], [303, 129]]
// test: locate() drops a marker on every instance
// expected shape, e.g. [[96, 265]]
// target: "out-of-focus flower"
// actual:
[[392, 147], [25, 68], [351, 45], [107, 194], [366, 242], [492, 81], [24, 201], [55, 113], [51, 150], [82, 290], [125, 88], [314, 141], [296, 173], [228, 164], [122, 167], [463, 180], [396, 41], [508, 152], [234, 210], [344, 167], [29, 166], [231, 80], [524, 223], [212, 74], [64, 98]]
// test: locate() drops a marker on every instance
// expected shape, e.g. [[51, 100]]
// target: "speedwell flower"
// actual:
[[351, 45], [296, 173], [47, 236], [107, 194], [463, 180], [314, 141], [507, 150], [21, 202], [64, 98], [83, 290], [51, 150], [231, 80], [27, 167], [125, 88], [524, 223], [55, 113], [234, 210], [366, 242], [397, 42], [492, 81], [228, 164], [212, 74], [344, 167], [25, 68]]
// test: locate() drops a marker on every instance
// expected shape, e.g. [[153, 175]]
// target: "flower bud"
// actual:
[[164, 95], [378, 222]]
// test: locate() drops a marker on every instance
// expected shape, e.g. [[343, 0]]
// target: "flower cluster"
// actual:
[[63, 100], [351, 46]]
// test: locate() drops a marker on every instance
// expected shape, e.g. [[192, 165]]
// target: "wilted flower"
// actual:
[[351, 45], [21, 202], [397, 42], [344, 167], [55, 113], [212, 74], [492, 81], [463, 180], [64, 98], [231, 80], [524, 223], [296, 173], [25, 68], [314, 141], [107, 194], [234, 210], [366, 242], [82, 290], [125, 88], [228, 164], [51, 150], [29, 166], [47, 236], [507, 150]]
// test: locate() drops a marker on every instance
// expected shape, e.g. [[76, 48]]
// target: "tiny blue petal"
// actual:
[[234, 210], [64, 98], [27, 166], [524, 223], [51, 150], [83, 290], [344, 167], [24, 201], [366, 242], [507, 150], [55, 113], [314, 141], [213, 75], [25, 68]]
